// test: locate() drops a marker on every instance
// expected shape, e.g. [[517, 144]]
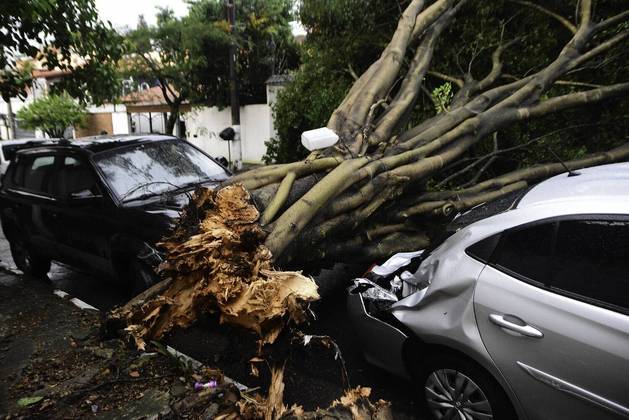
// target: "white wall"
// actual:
[[120, 122], [255, 129], [203, 125]]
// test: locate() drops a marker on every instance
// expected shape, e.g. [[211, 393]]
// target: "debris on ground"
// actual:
[[216, 262], [54, 363]]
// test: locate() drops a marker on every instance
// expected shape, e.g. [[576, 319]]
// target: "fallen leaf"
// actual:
[[26, 401], [134, 374]]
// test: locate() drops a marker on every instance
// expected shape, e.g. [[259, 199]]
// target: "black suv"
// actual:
[[100, 204]]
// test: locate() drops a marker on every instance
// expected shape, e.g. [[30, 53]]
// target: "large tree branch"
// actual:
[[609, 22], [599, 49], [572, 100], [562, 20], [407, 94], [444, 202]]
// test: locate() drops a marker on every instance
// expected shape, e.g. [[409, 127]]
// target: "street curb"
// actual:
[[176, 353]]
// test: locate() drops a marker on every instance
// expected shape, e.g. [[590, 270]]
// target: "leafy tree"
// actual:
[[344, 38], [372, 194], [65, 35], [530, 32], [189, 56], [515, 79], [53, 114], [169, 54]]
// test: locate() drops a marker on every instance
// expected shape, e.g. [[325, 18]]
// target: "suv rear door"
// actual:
[[83, 217], [30, 203], [564, 353]]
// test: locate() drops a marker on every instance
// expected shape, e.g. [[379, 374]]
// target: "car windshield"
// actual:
[[153, 168]]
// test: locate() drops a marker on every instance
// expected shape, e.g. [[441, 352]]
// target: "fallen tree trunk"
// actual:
[[364, 187], [366, 197], [216, 262]]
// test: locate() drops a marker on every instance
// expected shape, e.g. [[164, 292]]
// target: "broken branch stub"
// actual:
[[216, 262]]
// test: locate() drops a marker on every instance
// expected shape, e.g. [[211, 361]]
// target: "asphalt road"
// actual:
[[315, 378]]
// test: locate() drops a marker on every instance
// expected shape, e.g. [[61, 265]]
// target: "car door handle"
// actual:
[[524, 329]]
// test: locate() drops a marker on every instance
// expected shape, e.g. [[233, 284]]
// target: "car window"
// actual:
[[9, 152], [526, 252], [34, 173], [592, 260], [156, 167], [75, 178]]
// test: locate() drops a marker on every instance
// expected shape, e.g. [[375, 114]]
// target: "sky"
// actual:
[[123, 13]]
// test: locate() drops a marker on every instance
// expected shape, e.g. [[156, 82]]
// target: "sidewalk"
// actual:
[[53, 363]]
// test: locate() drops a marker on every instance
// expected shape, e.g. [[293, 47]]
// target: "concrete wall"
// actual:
[[203, 125], [120, 122], [255, 128]]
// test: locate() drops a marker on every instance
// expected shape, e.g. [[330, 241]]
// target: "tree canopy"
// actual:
[[53, 114], [455, 78], [531, 32], [65, 35], [188, 56]]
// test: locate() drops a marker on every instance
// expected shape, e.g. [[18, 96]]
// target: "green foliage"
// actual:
[[190, 54], [264, 43], [53, 114], [26, 401], [442, 96], [57, 33], [301, 106], [344, 37]]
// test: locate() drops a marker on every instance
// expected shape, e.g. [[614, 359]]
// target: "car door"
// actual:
[[83, 220], [565, 354], [32, 203]]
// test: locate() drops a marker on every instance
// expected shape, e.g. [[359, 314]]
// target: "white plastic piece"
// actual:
[[61, 294], [395, 262], [319, 138], [82, 305]]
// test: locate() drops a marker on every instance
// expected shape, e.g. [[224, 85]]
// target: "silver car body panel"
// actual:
[[445, 314], [574, 390]]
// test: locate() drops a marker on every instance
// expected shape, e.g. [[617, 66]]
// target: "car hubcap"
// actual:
[[452, 395]]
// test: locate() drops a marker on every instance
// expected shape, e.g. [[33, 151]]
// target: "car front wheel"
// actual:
[[29, 262], [455, 388]]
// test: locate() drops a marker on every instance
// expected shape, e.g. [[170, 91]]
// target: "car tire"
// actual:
[[29, 262], [437, 377], [142, 276]]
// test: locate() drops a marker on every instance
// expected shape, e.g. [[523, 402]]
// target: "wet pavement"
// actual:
[[209, 343]]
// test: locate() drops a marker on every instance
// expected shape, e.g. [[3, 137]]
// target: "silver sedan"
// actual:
[[522, 312]]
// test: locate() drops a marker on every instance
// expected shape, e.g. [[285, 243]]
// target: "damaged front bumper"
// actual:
[[382, 342], [372, 303]]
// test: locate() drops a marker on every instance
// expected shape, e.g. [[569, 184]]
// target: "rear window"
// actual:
[[592, 260], [527, 252], [488, 209], [34, 173]]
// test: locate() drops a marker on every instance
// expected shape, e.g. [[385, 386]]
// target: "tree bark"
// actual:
[[368, 197], [366, 182]]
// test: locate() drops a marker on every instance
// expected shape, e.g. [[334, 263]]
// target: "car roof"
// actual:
[[96, 144], [20, 142], [598, 183]]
